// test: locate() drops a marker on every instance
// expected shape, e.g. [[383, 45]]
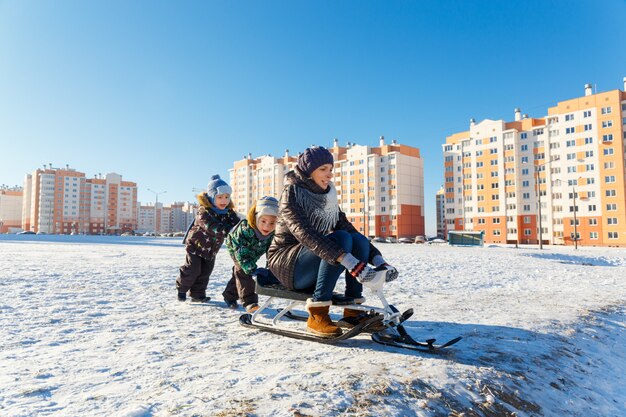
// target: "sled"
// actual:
[[393, 332]]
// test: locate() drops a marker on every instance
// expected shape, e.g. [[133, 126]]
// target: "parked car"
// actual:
[[391, 240], [405, 240], [420, 239], [25, 232], [436, 241], [379, 239]]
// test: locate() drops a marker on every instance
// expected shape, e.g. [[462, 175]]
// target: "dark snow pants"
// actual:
[[241, 286], [194, 275]]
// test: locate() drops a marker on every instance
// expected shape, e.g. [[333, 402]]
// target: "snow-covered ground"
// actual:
[[90, 326]]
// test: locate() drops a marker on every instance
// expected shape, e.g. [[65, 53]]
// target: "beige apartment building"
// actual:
[[65, 201], [168, 219], [381, 189], [10, 209], [559, 179]]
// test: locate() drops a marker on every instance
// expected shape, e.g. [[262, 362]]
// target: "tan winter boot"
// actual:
[[352, 317], [319, 322]]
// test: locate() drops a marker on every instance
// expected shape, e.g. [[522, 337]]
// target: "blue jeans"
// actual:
[[311, 271]]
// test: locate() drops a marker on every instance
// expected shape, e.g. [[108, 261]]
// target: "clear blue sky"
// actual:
[[168, 93]]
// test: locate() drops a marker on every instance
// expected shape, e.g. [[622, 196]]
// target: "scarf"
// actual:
[[322, 210], [219, 211]]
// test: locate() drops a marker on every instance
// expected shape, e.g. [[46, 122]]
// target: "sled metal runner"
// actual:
[[393, 333]]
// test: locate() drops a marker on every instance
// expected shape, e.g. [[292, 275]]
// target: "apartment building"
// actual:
[[64, 201], [559, 179], [381, 189], [440, 202], [168, 219], [10, 209]]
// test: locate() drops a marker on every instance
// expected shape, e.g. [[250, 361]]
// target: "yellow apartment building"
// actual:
[[559, 179], [381, 189]]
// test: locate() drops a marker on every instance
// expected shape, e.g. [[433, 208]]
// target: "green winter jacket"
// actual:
[[244, 244]]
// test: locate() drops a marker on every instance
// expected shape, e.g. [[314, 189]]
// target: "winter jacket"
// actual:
[[294, 230], [245, 244], [209, 228]]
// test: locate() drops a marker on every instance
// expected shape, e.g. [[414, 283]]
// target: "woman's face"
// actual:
[[323, 175]]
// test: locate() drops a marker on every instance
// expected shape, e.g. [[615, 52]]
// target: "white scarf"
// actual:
[[321, 209]]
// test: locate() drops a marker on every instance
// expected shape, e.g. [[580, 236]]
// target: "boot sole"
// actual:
[[321, 334]]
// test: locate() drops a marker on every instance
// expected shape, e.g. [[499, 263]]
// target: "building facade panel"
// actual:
[[560, 178]]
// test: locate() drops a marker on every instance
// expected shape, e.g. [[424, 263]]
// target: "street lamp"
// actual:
[[538, 191], [575, 226], [156, 201]]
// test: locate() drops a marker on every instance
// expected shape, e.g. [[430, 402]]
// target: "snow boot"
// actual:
[[319, 322], [232, 304], [251, 308], [182, 296], [200, 299], [352, 317]]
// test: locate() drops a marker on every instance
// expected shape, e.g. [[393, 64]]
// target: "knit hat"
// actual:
[[217, 186], [266, 206], [313, 158]]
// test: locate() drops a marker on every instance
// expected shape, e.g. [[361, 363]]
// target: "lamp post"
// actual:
[[156, 202], [538, 191], [575, 226]]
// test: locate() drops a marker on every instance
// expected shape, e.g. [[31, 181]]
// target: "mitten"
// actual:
[[360, 270], [379, 261]]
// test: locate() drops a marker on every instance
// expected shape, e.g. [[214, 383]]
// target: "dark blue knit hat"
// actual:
[[217, 186], [313, 158]]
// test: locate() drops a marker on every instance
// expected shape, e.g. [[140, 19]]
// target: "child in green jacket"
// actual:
[[246, 243]]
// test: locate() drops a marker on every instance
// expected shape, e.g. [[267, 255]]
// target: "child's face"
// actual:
[[266, 224], [323, 175], [221, 201]]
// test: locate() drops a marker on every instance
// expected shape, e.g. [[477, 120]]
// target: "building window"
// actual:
[[593, 222], [611, 207], [611, 220], [613, 235], [527, 232], [606, 110]]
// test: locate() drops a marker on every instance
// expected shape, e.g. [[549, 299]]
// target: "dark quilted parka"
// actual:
[[294, 230]]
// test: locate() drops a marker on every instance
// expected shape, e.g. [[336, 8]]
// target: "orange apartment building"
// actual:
[[565, 172], [10, 209], [64, 201], [381, 189]]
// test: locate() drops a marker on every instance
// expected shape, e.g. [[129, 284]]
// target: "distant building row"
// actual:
[[559, 179], [65, 201], [381, 189]]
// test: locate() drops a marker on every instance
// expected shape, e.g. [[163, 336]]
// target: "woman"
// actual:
[[314, 242]]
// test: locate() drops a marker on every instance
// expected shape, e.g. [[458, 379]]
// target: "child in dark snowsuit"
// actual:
[[214, 220], [246, 244]]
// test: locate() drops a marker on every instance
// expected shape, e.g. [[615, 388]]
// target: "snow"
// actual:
[[90, 326]]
